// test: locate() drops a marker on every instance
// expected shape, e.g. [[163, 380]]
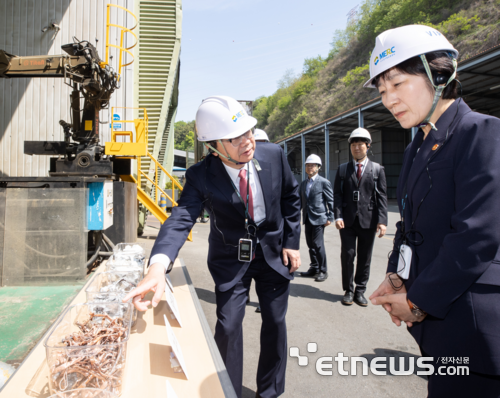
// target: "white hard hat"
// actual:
[[361, 133], [260, 135], [397, 45], [220, 117], [313, 159]]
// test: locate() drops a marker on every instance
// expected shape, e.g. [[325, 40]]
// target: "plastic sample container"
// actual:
[[93, 363], [131, 249], [112, 287], [85, 393], [124, 264]]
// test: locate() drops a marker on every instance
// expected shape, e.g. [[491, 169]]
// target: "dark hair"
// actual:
[[358, 139], [440, 63], [213, 144]]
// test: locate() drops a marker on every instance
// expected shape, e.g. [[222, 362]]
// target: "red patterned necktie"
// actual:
[[243, 191], [358, 175]]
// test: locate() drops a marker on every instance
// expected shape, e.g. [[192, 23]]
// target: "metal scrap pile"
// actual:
[[99, 363]]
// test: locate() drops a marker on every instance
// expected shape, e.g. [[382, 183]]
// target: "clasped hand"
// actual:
[[394, 301]]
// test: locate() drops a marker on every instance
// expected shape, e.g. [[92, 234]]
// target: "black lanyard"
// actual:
[[248, 195]]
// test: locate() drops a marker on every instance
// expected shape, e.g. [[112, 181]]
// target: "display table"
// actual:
[[148, 353]]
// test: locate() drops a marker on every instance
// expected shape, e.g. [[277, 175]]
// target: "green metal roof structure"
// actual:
[[157, 78]]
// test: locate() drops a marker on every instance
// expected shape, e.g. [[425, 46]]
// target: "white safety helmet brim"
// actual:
[[360, 133], [313, 159], [221, 117], [395, 46]]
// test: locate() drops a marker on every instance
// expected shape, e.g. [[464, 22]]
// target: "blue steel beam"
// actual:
[[303, 154], [327, 152]]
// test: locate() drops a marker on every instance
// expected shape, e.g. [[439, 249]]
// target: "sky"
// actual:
[[243, 48]]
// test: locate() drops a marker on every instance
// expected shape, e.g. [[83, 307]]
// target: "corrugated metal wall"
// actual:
[[159, 49], [30, 109]]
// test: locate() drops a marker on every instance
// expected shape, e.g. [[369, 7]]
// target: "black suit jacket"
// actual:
[[208, 185], [455, 268], [371, 208]]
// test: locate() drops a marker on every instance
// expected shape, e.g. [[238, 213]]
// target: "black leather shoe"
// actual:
[[322, 276], [359, 299], [347, 299], [248, 299], [311, 273], [258, 309]]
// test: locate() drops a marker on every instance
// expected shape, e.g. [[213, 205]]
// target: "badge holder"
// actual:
[[404, 263], [245, 250]]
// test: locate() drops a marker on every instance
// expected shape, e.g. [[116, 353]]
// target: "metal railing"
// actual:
[[135, 149], [123, 30]]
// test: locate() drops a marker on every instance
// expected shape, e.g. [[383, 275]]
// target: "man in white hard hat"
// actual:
[[316, 195], [360, 212], [261, 136], [443, 274], [254, 206]]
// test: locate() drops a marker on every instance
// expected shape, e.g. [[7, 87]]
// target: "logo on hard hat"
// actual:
[[237, 116], [385, 55]]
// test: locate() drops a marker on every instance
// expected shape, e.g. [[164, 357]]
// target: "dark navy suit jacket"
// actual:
[[208, 185], [319, 204], [454, 204]]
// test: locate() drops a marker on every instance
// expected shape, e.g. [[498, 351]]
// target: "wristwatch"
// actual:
[[415, 310]]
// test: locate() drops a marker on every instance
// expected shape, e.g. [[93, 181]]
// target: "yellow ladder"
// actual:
[[135, 149]]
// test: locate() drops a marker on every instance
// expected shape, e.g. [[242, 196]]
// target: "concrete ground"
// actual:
[[316, 315]]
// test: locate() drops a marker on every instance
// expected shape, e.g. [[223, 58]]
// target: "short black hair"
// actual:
[[439, 62], [358, 139]]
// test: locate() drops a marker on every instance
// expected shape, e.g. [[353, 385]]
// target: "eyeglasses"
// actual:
[[236, 142]]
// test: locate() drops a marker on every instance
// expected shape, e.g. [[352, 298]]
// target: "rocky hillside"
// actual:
[[328, 86]]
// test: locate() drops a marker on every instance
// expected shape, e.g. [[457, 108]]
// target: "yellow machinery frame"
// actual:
[[135, 149]]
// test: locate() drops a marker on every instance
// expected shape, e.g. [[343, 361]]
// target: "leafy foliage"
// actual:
[[169, 184], [184, 135], [328, 86]]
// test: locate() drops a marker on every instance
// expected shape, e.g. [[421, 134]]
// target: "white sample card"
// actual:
[[176, 347], [172, 303], [170, 391], [169, 283]]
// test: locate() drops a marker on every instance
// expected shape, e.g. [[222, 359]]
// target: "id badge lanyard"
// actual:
[[405, 251], [247, 216]]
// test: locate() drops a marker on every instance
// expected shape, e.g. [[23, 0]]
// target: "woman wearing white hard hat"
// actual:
[[444, 271], [254, 206]]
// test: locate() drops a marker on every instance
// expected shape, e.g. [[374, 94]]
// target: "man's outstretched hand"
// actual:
[[154, 281], [291, 257]]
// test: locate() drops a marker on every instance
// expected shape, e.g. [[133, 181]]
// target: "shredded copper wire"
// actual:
[[100, 367]]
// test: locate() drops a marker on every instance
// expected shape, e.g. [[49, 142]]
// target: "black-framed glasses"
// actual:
[[236, 142]]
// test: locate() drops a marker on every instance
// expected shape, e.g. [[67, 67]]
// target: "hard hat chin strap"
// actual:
[[439, 89], [226, 156]]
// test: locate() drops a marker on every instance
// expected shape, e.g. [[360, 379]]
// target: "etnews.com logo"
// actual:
[[382, 366]]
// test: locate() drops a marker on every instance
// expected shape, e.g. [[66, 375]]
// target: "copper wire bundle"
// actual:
[[101, 360]]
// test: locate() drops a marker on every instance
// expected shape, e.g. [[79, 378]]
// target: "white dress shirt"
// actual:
[[309, 184], [363, 167], [259, 207]]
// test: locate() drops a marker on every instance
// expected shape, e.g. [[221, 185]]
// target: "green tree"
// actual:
[[313, 65], [181, 129]]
